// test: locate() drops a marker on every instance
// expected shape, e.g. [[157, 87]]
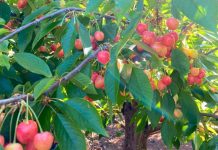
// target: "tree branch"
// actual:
[[37, 21], [209, 115], [58, 82]]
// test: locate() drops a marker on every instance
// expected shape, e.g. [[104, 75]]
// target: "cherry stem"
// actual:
[[10, 132], [18, 117], [5, 118], [27, 108], [37, 120]]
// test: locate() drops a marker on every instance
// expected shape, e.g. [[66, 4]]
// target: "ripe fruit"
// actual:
[[148, 37], [26, 131], [30, 146], [61, 54], [43, 141], [117, 38], [194, 71], [54, 47], [42, 49], [161, 119], [175, 35], [198, 80], [160, 49], [88, 99], [78, 44], [2, 140], [153, 85], [99, 36], [140, 49], [168, 40], [161, 86], [141, 27], [166, 80], [14, 146], [22, 3], [177, 113], [103, 57], [94, 76], [191, 79], [99, 82], [9, 25], [202, 73], [172, 23]]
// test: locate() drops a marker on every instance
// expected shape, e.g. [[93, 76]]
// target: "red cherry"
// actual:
[[99, 36], [172, 23], [43, 141], [168, 40], [22, 3], [2, 140], [159, 39], [153, 85], [161, 86], [141, 27], [9, 25], [99, 82], [166, 80], [191, 79], [42, 49], [202, 73], [13, 146], [93, 42], [161, 119], [175, 35], [30, 146], [117, 38], [54, 47], [103, 57], [88, 99], [61, 54], [94, 76], [140, 49], [26, 131], [198, 80], [160, 49], [194, 71], [78, 44], [148, 37]]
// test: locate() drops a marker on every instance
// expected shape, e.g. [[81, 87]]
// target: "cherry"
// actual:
[[54, 47], [194, 71], [2, 140], [99, 82], [202, 73], [177, 113], [148, 37], [9, 25], [88, 99], [30, 146], [22, 3], [117, 38], [172, 23], [103, 57], [93, 42], [161, 119], [198, 80], [166, 80], [191, 79], [141, 27], [13, 146], [99, 36], [153, 85], [94, 76], [42, 49], [43, 141], [168, 40], [26, 131], [78, 44], [161, 86], [140, 49], [159, 48], [159, 39], [61, 54], [175, 35]]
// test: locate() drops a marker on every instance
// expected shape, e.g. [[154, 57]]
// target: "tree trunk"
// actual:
[[133, 140]]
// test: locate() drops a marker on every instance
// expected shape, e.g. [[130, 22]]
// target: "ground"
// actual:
[[115, 141]]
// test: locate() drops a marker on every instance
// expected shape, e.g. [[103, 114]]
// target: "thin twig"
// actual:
[[209, 115]]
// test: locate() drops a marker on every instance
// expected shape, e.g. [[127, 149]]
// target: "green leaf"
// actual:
[[42, 86], [5, 11], [6, 86], [140, 87], [167, 106], [199, 11], [4, 46], [68, 64], [33, 63], [67, 134], [3, 31], [189, 108], [2, 21], [84, 82], [85, 38], [93, 5], [67, 40], [110, 30], [122, 7], [83, 113], [112, 80], [24, 38], [4, 61], [167, 133], [180, 62], [44, 30]]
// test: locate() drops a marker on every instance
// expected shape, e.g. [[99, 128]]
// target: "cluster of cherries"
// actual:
[[162, 45], [196, 76], [27, 134], [22, 4]]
